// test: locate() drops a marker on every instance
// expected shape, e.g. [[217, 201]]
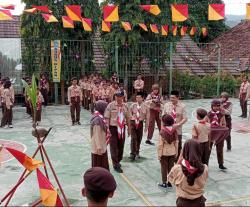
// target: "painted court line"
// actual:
[[227, 201]]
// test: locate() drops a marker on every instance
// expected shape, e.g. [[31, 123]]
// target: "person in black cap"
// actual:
[[75, 100], [99, 185], [178, 111], [219, 131], [117, 115]]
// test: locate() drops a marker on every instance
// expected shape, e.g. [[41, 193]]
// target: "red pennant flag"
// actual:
[[106, 26], [143, 26], [154, 28], [216, 12], [67, 22], [5, 15], [110, 13], [74, 12], [8, 6], [48, 193], [153, 9], [164, 30], [87, 24], [126, 26], [193, 31], [204, 31], [29, 163], [183, 31], [44, 9], [49, 18], [174, 30], [179, 12]]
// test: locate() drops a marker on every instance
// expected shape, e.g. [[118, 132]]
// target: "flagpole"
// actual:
[[23, 174], [55, 176], [36, 203]]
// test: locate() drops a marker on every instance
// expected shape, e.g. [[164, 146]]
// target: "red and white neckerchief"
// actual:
[[215, 119], [168, 129], [108, 134], [173, 113], [189, 168], [202, 122], [137, 115], [226, 104], [120, 122], [75, 91], [43, 83]]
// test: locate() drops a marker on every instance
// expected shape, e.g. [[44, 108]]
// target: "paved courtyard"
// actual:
[[69, 149]]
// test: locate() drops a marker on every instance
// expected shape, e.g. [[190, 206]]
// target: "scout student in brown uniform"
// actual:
[[114, 89], [83, 86], [100, 136], [139, 113], [44, 88], [202, 133], [190, 177], [139, 84], [178, 111], [39, 103], [105, 93], [117, 115], [114, 78], [219, 131], [154, 100], [167, 148], [99, 186], [244, 96], [226, 108], [75, 100], [7, 104]]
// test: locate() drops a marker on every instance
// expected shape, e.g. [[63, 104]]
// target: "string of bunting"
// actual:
[[180, 13]]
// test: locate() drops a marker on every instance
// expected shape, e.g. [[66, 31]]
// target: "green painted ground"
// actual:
[[69, 150]]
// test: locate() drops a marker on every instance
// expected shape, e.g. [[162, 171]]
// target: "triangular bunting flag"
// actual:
[[143, 26], [204, 31], [48, 193], [174, 30], [49, 18], [110, 13], [29, 163], [179, 12], [153, 9], [8, 6], [248, 11], [74, 12], [126, 26], [216, 12], [67, 22], [5, 15], [87, 24], [164, 30], [183, 31], [193, 31], [154, 28], [106, 26], [33, 10], [44, 9]]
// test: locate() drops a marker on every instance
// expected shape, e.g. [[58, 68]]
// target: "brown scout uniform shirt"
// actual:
[[201, 131], [180, 113], [138, 84], [184, 190], [166, 149], [74, 91], [98, 139]]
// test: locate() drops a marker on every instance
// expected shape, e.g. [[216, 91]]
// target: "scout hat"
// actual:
[[119, 93]]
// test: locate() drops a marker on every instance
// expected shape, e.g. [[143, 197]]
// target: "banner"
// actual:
[[56, 60]]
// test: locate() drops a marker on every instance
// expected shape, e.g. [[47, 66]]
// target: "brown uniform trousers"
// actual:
[[136, 137], [198, 202], [205, 152], [179, 146], [243, 104], [7, 116], [44, 93], [38, 115], [154, 117], [219, 151], [75, 109], [167, 162], [116, 146], [229, 125], [100, 160]]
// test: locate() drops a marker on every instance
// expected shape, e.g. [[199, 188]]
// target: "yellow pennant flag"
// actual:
[[248, 11], [5, 15]]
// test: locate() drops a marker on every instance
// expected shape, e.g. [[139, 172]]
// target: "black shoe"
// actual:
[[229, 150], [138, 156], [149, 142], [73, 123], [132, 157], [79, 123], [244, 116], [118, 169], [169, 185], [163, 185], [241, 116], [222, 167]]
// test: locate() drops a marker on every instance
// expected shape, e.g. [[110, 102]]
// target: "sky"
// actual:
[[235, 7]]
